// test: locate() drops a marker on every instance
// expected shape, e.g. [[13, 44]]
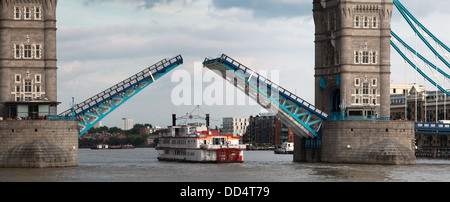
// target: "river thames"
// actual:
[[141, 165]]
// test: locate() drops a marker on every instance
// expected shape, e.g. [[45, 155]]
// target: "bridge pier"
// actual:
[[365, 142], [38, 144], [307, 149]]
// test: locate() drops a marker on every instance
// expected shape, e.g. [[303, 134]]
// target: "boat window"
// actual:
[[219, 141]]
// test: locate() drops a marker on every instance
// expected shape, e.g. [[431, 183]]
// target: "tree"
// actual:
[[135, 129], [115, 130], [98, 130]]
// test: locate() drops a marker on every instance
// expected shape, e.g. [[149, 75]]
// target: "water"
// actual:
[[141, 165]]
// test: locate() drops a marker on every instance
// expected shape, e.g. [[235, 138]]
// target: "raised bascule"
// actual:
[[93, 110], [349, 122]]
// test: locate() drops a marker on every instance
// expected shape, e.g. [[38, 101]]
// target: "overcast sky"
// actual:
[[103, 42]]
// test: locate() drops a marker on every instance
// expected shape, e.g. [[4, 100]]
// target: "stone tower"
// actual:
[[352, 57], [28, 63]]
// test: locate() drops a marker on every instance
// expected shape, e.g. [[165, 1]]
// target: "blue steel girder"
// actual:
[[434, 128], [302, 117], [415, 53], [415, 26], [94, 109], [407, 15], [414, 66]]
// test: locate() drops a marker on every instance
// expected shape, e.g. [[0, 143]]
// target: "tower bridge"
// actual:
[[349, 122]]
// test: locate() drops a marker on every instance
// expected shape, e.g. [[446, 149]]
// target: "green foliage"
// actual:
[[116, 130], [132, 136]]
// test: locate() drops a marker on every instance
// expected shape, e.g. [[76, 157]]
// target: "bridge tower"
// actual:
[[28, 58], [352, 57], [28, 88], [352, 82]]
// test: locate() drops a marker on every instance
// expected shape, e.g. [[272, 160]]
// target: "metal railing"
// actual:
[[270, 85], [337, 116], [124, 85], [444, 127]]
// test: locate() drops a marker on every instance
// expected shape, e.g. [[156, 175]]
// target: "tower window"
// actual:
[[365, 57], [374, 22], [357, 22], [365, 89], [37, 13], [27, 13], [38, 78], [17, 13], [374, 82], [27, 52], [18, 78], [356, 82], [357, 57], [37, 51], [17, 51], [374, 57], [365, 101], [28, 86], [366, 22]]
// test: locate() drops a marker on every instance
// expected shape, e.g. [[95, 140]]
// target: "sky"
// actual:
[[102, 42]]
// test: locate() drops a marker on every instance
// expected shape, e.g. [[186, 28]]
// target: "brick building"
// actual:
[[267, 129]]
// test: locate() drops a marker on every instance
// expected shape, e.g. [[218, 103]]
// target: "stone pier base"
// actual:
[[38, 144], [366, 142]]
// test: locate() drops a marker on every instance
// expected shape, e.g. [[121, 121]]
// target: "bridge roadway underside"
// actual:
[[365, 142]]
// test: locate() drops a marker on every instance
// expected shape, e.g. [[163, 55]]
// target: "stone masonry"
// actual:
[[28, 62], [352, 56], [372, 142], [38, 144]]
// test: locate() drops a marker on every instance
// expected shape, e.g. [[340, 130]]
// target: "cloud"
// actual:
[[121, 37], [269, 8], [259, 8], [147, 4]]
